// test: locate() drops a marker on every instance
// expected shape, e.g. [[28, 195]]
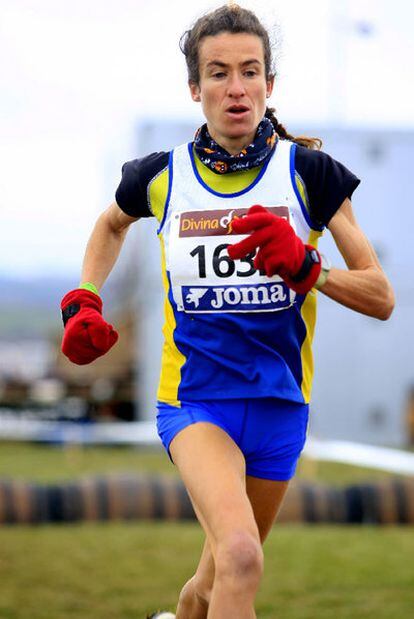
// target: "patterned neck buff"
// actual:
[[221, 162]]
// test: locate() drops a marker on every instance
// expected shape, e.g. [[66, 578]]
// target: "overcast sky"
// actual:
[[76, 75]]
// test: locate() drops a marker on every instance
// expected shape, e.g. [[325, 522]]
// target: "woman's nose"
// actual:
[[235, 86]]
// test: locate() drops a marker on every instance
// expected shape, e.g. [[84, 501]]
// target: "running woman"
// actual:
[[240, 212]]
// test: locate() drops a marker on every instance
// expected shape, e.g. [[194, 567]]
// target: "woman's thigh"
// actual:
[[266, 497], [213, 470]]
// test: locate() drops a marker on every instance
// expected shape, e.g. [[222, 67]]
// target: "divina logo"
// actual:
[[218, 222], [226, 220]]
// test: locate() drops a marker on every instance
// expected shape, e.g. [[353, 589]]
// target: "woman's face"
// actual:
[[233, 87]]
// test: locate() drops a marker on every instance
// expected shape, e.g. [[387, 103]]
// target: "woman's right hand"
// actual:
[[87, 335], [281, 250]]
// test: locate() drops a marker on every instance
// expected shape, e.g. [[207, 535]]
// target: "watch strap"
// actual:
[[323, 275], [311, 258]]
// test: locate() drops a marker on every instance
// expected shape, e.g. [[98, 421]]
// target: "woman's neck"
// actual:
[[232, 145]]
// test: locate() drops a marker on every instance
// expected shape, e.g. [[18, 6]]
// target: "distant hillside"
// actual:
[[33, 292], [30, 308]]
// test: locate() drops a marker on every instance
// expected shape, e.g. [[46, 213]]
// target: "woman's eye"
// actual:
[[250, 73], [219, 74]]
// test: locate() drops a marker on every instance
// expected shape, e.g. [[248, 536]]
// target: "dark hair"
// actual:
[[234, 19]]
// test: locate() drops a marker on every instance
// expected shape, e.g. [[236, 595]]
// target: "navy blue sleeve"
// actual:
[[327, 183], [132, 195]]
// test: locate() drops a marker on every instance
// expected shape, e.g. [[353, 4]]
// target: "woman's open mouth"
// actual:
[[237, 111]]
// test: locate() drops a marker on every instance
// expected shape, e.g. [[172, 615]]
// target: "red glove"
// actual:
[[281, 251], [87, 336]]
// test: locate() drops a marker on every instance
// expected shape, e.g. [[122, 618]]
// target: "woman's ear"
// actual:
[[194, 91], [269, 85]]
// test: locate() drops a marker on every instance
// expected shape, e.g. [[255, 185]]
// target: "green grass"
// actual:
[[120, 571], [44, 463]]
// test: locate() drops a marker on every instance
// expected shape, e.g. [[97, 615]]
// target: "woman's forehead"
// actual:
[[229, 48]]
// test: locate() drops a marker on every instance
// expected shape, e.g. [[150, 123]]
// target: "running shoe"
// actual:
[[161, 614]]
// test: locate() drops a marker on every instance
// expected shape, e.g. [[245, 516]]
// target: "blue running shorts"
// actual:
[[270, 432]]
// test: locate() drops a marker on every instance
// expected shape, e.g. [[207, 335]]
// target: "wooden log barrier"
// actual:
[[137, 497]]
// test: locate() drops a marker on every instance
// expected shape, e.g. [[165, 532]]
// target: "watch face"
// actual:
[[315, 256], [325, 263]]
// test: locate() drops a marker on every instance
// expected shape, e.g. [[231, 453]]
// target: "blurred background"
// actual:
[[88, 85]]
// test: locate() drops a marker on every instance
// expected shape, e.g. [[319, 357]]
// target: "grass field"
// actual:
[[44, 464], [124, 570]]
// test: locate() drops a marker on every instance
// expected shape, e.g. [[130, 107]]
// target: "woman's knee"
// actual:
[[240, 555]]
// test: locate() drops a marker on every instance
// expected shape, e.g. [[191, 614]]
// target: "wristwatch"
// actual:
[[323, 275]]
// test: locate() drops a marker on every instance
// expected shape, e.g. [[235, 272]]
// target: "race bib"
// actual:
[[203, 276]]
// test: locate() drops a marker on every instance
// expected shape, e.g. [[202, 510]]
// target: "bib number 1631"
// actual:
[[221, 263]]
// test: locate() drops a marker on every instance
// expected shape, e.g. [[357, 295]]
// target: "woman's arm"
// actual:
[[364, 287], [105, 244]]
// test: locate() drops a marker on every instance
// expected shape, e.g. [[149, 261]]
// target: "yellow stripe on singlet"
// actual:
[[158, 190], [172, 359], [308, 311]]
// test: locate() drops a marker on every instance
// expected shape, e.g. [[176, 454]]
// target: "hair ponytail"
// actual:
[[313, 143]]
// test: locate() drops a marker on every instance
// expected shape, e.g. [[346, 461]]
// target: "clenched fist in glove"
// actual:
[[87, 335], [281, 251]]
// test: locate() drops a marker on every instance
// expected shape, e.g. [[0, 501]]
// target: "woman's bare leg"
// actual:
[[195, 595], [216, 592], [213, 470], [266, 497]]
